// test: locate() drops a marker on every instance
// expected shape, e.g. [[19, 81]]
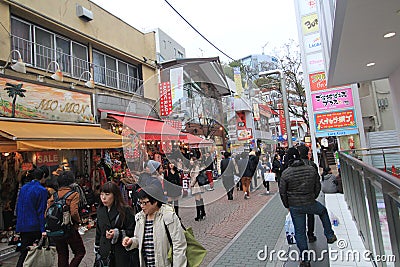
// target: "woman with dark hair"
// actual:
[[197, 190], [228, 170], [173, 185], [158, 228], [115, 220], [73, 239], [277, 167]]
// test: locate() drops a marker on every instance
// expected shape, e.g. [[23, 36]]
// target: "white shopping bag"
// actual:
[[289, 229], [269, 177]]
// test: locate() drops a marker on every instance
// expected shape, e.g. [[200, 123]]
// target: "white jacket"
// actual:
[[165, 216]]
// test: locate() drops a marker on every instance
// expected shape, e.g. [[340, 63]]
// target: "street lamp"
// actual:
[[284, 100]]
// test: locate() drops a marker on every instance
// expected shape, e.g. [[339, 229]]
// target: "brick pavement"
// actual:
[[225, 219]]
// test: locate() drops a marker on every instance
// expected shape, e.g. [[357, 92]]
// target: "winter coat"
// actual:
[[251, 166], [72, 201], [164, 217], [31, 206], [299, 185], [173, 183], [329, 183], [228, 170], [110, 220], [196, 189], [277, 168]]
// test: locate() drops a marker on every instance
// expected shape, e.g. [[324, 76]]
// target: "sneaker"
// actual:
[[312, 239], [332, 239], [305, 264], [267, 192], [245, 195]]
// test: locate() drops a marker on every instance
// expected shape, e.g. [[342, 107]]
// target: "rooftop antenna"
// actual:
[[264, 47]]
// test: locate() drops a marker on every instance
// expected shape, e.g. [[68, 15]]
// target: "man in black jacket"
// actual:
[[248, 173], [299, 187]]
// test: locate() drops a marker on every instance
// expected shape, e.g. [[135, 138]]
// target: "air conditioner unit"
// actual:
[[84, 13]]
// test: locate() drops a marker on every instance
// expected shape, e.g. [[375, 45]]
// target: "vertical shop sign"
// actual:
[[256, 112], [176, 79], [282, 121], [165, 98], [238, 81]]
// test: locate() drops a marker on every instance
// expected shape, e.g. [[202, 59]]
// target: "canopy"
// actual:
[[196, 141], [30, 136], [149, 128]]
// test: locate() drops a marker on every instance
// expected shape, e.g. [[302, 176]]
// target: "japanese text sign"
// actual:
[[317, 81], [335, 120], [335, 99], [165, 98]]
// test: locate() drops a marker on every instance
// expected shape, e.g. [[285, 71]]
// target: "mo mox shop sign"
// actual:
[[44, 102]]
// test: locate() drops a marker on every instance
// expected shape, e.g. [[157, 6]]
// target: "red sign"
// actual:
[[165, 98], [317, 81], [27, 166], [282, 121], [48, 158], [241, 120], [339, 119]]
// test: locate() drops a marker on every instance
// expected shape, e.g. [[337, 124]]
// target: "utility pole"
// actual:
[[284, 100]]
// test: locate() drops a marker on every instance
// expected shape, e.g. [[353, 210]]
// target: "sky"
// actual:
[[238, 28]]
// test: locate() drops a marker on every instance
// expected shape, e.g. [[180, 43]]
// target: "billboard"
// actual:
[[317, 81], [335, 120], [334, 99]]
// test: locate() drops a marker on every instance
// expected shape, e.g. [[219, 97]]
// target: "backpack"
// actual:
[[58, 221]]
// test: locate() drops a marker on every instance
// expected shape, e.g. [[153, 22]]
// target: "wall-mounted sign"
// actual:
[[309, 24], [244, 134], [176, 79], [317, 81], [165, 98], [315, 62], [312, 43], [46, 103], [282, 120], [335, 99], [337, 133], [307, 6], [335, 120], [256, 112], [237, 77], [47, 158]]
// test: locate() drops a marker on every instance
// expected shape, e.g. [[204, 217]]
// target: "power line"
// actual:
[[198, 31]]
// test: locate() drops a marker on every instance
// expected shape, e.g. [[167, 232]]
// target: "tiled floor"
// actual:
[[349, 244]]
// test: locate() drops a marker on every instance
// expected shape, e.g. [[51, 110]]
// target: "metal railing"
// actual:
[[373, 199], [40, 56]]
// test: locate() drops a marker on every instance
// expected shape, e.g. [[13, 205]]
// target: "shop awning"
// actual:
[[196, 141], [149, 128], [30, 136]]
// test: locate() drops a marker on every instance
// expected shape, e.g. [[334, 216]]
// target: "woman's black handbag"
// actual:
[[101, 262], [202, 179]]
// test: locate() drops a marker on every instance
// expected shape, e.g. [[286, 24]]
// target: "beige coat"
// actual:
[[165, 216], [193, 181]]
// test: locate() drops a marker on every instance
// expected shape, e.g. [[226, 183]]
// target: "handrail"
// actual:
[[371, 148], [389, 178]]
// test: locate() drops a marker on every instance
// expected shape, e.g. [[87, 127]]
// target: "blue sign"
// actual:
[[337, 133]]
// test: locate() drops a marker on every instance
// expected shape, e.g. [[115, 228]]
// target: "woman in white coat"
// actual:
[[153, 225]]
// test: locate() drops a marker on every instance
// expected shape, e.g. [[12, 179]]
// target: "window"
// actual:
[[39, 47], [115, 73]]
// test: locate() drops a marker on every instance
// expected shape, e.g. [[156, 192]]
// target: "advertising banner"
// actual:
[[165, 98], [309, 24], [45, 103], [282, 120], [237, 77], [335, 99], [176, 79], [317, 81], [47, 158], [312, 43], [335, 120], [315, 62]]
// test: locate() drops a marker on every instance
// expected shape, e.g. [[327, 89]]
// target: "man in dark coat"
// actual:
[[228, 169], [303, 151], [299, 187]]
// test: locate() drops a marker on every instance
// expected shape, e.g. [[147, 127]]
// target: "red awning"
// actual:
[[149, 128], [196, 141]]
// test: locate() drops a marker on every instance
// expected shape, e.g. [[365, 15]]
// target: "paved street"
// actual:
[[219, 231]]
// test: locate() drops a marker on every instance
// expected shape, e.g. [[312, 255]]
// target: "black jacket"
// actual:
[[227, 172], [299, 185], [173, 183], [108, 220], [251, 166]]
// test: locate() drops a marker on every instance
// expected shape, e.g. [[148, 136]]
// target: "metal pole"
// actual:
[[284, 100]]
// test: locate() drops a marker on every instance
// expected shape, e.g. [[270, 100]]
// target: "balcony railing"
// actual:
[[39, 56], [373, 199]]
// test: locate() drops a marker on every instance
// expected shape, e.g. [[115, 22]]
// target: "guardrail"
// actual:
[[373, 199]]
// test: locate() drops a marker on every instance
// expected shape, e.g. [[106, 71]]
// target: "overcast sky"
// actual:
[[238, 28]]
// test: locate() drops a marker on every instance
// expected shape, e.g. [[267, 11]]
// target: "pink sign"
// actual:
[[335, 99]]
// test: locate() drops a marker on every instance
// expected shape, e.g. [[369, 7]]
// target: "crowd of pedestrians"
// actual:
[[143, 234]]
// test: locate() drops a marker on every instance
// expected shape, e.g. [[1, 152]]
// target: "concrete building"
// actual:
[[167, 48]]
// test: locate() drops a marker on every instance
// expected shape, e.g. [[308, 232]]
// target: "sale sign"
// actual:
[[335, 99], [47, 158], [335, 120], [317, 81], [165, 98]]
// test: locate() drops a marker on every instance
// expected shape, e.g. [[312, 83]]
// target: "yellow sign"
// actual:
[[309, 23], [43, 102], [238, 81]]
